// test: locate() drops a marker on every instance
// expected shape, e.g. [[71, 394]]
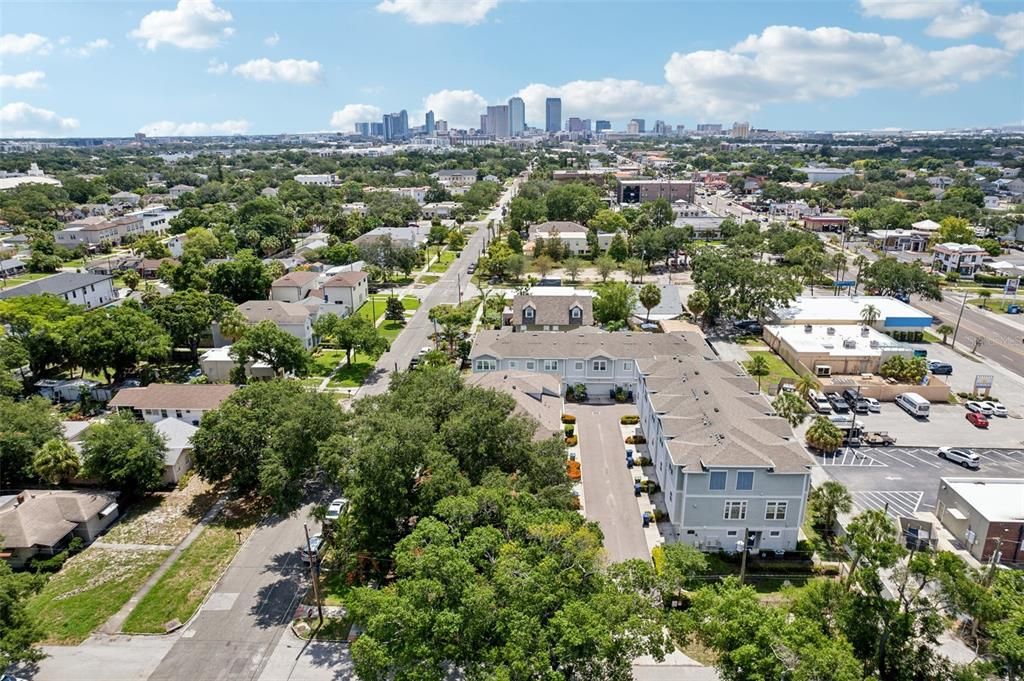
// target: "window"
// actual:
[[527, 313], [774, 533], [486, 365], [575, 313], [735, 510], [600, 365], [551, 365], [177, 413], [512, 364], [530, 364], [775, 510], [163, 413], [625, 366], [745, 481], [731, 533], [717, 480], [579, 366]]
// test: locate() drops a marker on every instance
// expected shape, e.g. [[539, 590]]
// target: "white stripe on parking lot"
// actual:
[[901, 503]]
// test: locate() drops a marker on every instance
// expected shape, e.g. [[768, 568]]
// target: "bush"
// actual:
[[660, 516], [636, 440], [569, 428], [829, 570], [571, 440], [568, 418], [643, 461], [989, 279], [572, 469], [658, 556], [629, 420]]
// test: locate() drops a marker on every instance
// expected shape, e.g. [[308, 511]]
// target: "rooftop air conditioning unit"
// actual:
[[874, 344], [831, 330], [808, 328], [849, 343], [865, 331]]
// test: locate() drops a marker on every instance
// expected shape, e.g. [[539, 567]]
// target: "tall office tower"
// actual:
[[403, 123], [741, 130], [441, 127], [484, 124], [640, 124], [497, 120], [391, 122], [516, 116], [585, 124], [428, 123], [553, 114], [680, 129], [660, 128], [601, 126], [633, 127], [574, 124], [709, 128], [363, 129], [376, 129]]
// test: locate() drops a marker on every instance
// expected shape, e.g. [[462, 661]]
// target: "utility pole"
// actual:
[[458, 279], [313, 560], [743, 559], [958, 318]]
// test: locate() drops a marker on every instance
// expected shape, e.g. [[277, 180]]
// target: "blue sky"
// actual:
[[212, 67]]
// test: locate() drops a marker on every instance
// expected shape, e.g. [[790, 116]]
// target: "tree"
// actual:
[[805, 383], [543, 264], [115, 338], [190, 273], [394, 310], [131, 279], [453, 320], [792, 407], [827, 501], [13, 357], [984, 295], [904, 369], [56, 461], [188, 315], [605, 266], [242, 279], [698, 304], [574, 201], [650, 297], [889, 277], [268, 343], [572, 267], [515, 242], [740, 287], [618, 249], [19, 629], [27, 425], [265, 438], [824, 436], [233, 325], [635, 268], [608, 221], [353, 333], [614, 304], [37, 324], [944, 330], [758, 367], [955, 230], [873, 541], [869, 314], [124, 453]]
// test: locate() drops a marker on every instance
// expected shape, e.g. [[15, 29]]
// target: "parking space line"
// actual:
[[918, 458], [893, 456], [900, 503]]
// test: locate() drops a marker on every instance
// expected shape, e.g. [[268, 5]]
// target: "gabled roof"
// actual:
[[46, 517], [58, 284], [553, 309], [297, 278], [177, 435], [277, 311], [198, 396], [579, 344], [346, 279]]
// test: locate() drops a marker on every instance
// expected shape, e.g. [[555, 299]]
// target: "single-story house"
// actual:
[[217, 364], [178, 455], [158, 401], [43, 522]]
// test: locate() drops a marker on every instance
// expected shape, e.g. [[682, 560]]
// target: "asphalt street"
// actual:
[[1002, 340], [418, 329]]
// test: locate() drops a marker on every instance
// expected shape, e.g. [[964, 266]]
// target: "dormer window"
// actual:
[[528, 313], [575, 312]]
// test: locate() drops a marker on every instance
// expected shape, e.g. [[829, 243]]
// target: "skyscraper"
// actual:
[[741, 130], [396, 125], [497, 120], [601, 126], [553, 114], [640, 124], [403, 121], [516, 116], [428, 123], [363, 129], [376, 129]]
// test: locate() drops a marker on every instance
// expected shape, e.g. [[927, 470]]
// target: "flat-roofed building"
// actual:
[[893, 315], [644, 190], [985, 514]]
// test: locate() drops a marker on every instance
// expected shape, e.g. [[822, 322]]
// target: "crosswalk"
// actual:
[[898, 503]]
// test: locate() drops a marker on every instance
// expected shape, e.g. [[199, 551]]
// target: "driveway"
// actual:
[[607, 483]]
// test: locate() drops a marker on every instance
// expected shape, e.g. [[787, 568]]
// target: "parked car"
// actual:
[[839, 405], [961, 456], [311, 553], [471, 269], [874, 406], [978, 420], [857, 403], [751, 326], [335, 509], [413, 363], [997, 408], [940, 368], [979, 407], [425, 349]]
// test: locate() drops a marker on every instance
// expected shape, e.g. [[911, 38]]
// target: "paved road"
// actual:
[[1003, 340], [417, 331], [607, 483]]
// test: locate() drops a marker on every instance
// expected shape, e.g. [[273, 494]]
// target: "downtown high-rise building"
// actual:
[[428, 123], [376, 129], [498, 121], [516, 116], [396, 125], [363, 129], [641, 124], [741, 130], [601, 126], [553, 114]]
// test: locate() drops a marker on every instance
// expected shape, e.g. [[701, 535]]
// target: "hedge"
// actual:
[[568, 418], [571, 440], [636, 440], [629, 420]]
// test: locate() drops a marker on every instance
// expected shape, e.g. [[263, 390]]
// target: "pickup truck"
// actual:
[[878, 439]]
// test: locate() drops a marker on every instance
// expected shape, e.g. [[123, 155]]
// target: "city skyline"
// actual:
[[205, 67]]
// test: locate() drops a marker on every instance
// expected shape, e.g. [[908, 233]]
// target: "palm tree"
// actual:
[[984, 295], [650, 297], [698, 304], [824, 436], [805, 384], [789, 406], [56, 461], [869, 314], [944, 330], [233, 325], [839, 262], [827, 501], [758, 367], [860, 262]]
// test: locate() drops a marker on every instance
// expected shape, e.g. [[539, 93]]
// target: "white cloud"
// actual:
[[1010, 31], [91, 47], [272, 40], [192, 25], [217, 68], [172, 129], [907, 9], [22, 81], [19, 119], [467, 12], [286, 70], [963, 23], [346, 117], [30, 43], [461, 108]]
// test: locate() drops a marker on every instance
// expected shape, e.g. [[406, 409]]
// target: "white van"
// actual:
[[914, 404], [819, 402]]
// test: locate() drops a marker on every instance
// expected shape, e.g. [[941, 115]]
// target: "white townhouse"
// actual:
[[455, 178], [292, 318], [90, 231], [87, 290], [350, 289], [964, 259], [294, 286]]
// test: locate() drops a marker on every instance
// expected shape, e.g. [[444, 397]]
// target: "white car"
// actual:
[[961, 456], [997, 408], [979, 407], [425, 350], [874, 405], [335, 509]]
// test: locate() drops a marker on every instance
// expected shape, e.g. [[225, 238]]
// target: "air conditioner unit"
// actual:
[[865, 332], [849, 343], [874, 343], [822, 370], [831, 331], [808, 328]]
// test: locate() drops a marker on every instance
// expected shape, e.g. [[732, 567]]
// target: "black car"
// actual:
[[839, 405], [751, 326], [940, 368], [857, 403]]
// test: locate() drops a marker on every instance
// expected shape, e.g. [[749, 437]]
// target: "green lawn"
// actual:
[[994, 304], [777, 368], [444, 262], [183, 587], [375, 304], [325, 361], [411, 303], [390, 330], [90, 588], [428, 279], [353, 375]]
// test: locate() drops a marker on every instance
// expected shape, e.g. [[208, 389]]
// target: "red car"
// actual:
[[977, 419]]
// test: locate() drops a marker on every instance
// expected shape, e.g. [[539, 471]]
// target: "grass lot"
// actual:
[[353, 375], [428, 279], [444, 262], [993, 304], [777, 368], [183, 587], [325, 361], [90, 588], [333, 629], [164, 518], [931, 337], [20, 279]]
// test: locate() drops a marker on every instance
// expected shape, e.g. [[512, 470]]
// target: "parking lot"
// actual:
[[906, 479], [946, 426]]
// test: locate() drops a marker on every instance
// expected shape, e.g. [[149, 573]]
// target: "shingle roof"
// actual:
[[46, 517], [298, 278], [346, 279], [553, 309], [58, 284], [590, 343], [556, 227], [537, 395], [279, 312], [178, 436], [173, 396]]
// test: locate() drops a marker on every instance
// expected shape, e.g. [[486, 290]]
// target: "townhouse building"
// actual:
[[964, 259], [87, 290]]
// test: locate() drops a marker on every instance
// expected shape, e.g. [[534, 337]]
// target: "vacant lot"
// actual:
[[164, 518], [90, 588], [777, 369]]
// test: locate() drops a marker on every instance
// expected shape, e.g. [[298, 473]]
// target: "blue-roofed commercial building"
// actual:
[[88, 290], [895, 317]]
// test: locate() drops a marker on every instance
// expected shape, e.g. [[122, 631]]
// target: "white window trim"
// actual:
[[738, 488], [530, 364], [732, 503], [580, 365], [711, 477], [551, 365], [603, 365], [776, 505]]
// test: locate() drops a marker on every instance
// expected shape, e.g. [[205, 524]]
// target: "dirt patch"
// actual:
[[164, 517]]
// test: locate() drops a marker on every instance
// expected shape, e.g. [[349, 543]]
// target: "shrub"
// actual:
[[658, 556], [571, 440], [660, 516], [569, 428], [630, 420], [572, 469], [636, 440], [643, 461], [568, 418]]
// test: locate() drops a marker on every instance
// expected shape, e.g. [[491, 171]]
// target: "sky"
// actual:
[[263, 66]]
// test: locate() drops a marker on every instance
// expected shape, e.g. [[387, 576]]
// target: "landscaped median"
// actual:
[[180, 591]]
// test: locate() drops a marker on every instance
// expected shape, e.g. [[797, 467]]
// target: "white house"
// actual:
[[293, 287], [325, 180], [217, 365], [347, 288], [292, 318], [90, 231], [157, 401], [455, 178], [964, 259], [178, 453], [180, 189], [43, 522], [125, 198], [87, 290]]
